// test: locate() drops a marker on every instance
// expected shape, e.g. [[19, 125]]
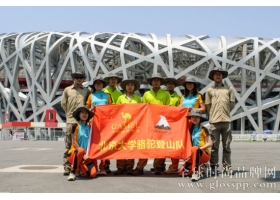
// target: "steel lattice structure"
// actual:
[[36, 66]]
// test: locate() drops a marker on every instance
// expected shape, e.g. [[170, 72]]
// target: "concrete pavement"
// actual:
[[36, 167]]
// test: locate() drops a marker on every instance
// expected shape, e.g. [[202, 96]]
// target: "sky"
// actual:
[[176, 19]]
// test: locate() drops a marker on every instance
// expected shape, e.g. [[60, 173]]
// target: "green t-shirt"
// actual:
[[162, 97], [174, 99], [114, 93], [124, 99]]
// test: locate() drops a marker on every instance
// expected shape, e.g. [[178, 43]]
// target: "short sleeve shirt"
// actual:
[[98, 98], [114, 93], [124, 99], [199, 134], [191, 101], [82, 133], [162, 97], [174, 99]]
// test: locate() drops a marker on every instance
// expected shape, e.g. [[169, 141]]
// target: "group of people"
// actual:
[[79, 102]]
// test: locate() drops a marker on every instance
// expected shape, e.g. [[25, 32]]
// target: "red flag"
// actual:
[[128, 131]]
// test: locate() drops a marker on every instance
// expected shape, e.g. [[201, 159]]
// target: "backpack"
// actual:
[[86, 167]]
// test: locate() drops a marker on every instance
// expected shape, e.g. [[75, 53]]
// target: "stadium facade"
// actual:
[[35, 67]]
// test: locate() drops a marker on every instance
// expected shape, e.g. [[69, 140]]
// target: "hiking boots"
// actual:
[[107, 169], [138, 172], [66, 172], [119, 172], [129, 172], [227, 170], [171, 170], [162, 169], [102, 172], [214, 170]]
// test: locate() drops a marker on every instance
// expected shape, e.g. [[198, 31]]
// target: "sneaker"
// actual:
[[138, 172], [71, 177], [195, 176], [119, 172], [171, 170]]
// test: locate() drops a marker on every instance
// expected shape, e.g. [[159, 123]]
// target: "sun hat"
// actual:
[[218, 69], [196, 112], [99, 78], [157, 75], [112, 75], [190, 80], [78, 73], [135, 82], [76, 113], [173, 80]]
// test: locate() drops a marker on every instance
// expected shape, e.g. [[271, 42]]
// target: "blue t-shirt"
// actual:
[[99, 98], [83, 135], [191, 101], [199, 134]]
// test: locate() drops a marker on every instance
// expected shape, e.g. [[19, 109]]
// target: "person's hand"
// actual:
[[85, 157], [189, 111], [92, 108]]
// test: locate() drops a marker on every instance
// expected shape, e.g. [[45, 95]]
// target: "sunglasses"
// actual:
[[79, 77]]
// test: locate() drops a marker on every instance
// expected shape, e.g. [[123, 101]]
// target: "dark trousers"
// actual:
[[216, 130]]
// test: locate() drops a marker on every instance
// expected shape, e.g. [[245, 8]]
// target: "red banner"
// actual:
[[129, 131]]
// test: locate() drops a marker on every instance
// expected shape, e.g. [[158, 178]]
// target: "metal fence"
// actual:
[[51, 134]]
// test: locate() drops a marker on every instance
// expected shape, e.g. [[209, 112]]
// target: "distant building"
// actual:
[[36, 67]]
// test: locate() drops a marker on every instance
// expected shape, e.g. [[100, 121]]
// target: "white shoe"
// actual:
[[195, 176], [71, 177]]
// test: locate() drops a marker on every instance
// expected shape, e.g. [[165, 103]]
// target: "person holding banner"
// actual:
[[171, 83], [98, 97], [73, 96], [113, 79], [192, 100], [129, 86], [154, 96], [201, 141], [80, 136]]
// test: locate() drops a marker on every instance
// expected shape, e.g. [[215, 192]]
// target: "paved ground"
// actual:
[[256, 166]]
